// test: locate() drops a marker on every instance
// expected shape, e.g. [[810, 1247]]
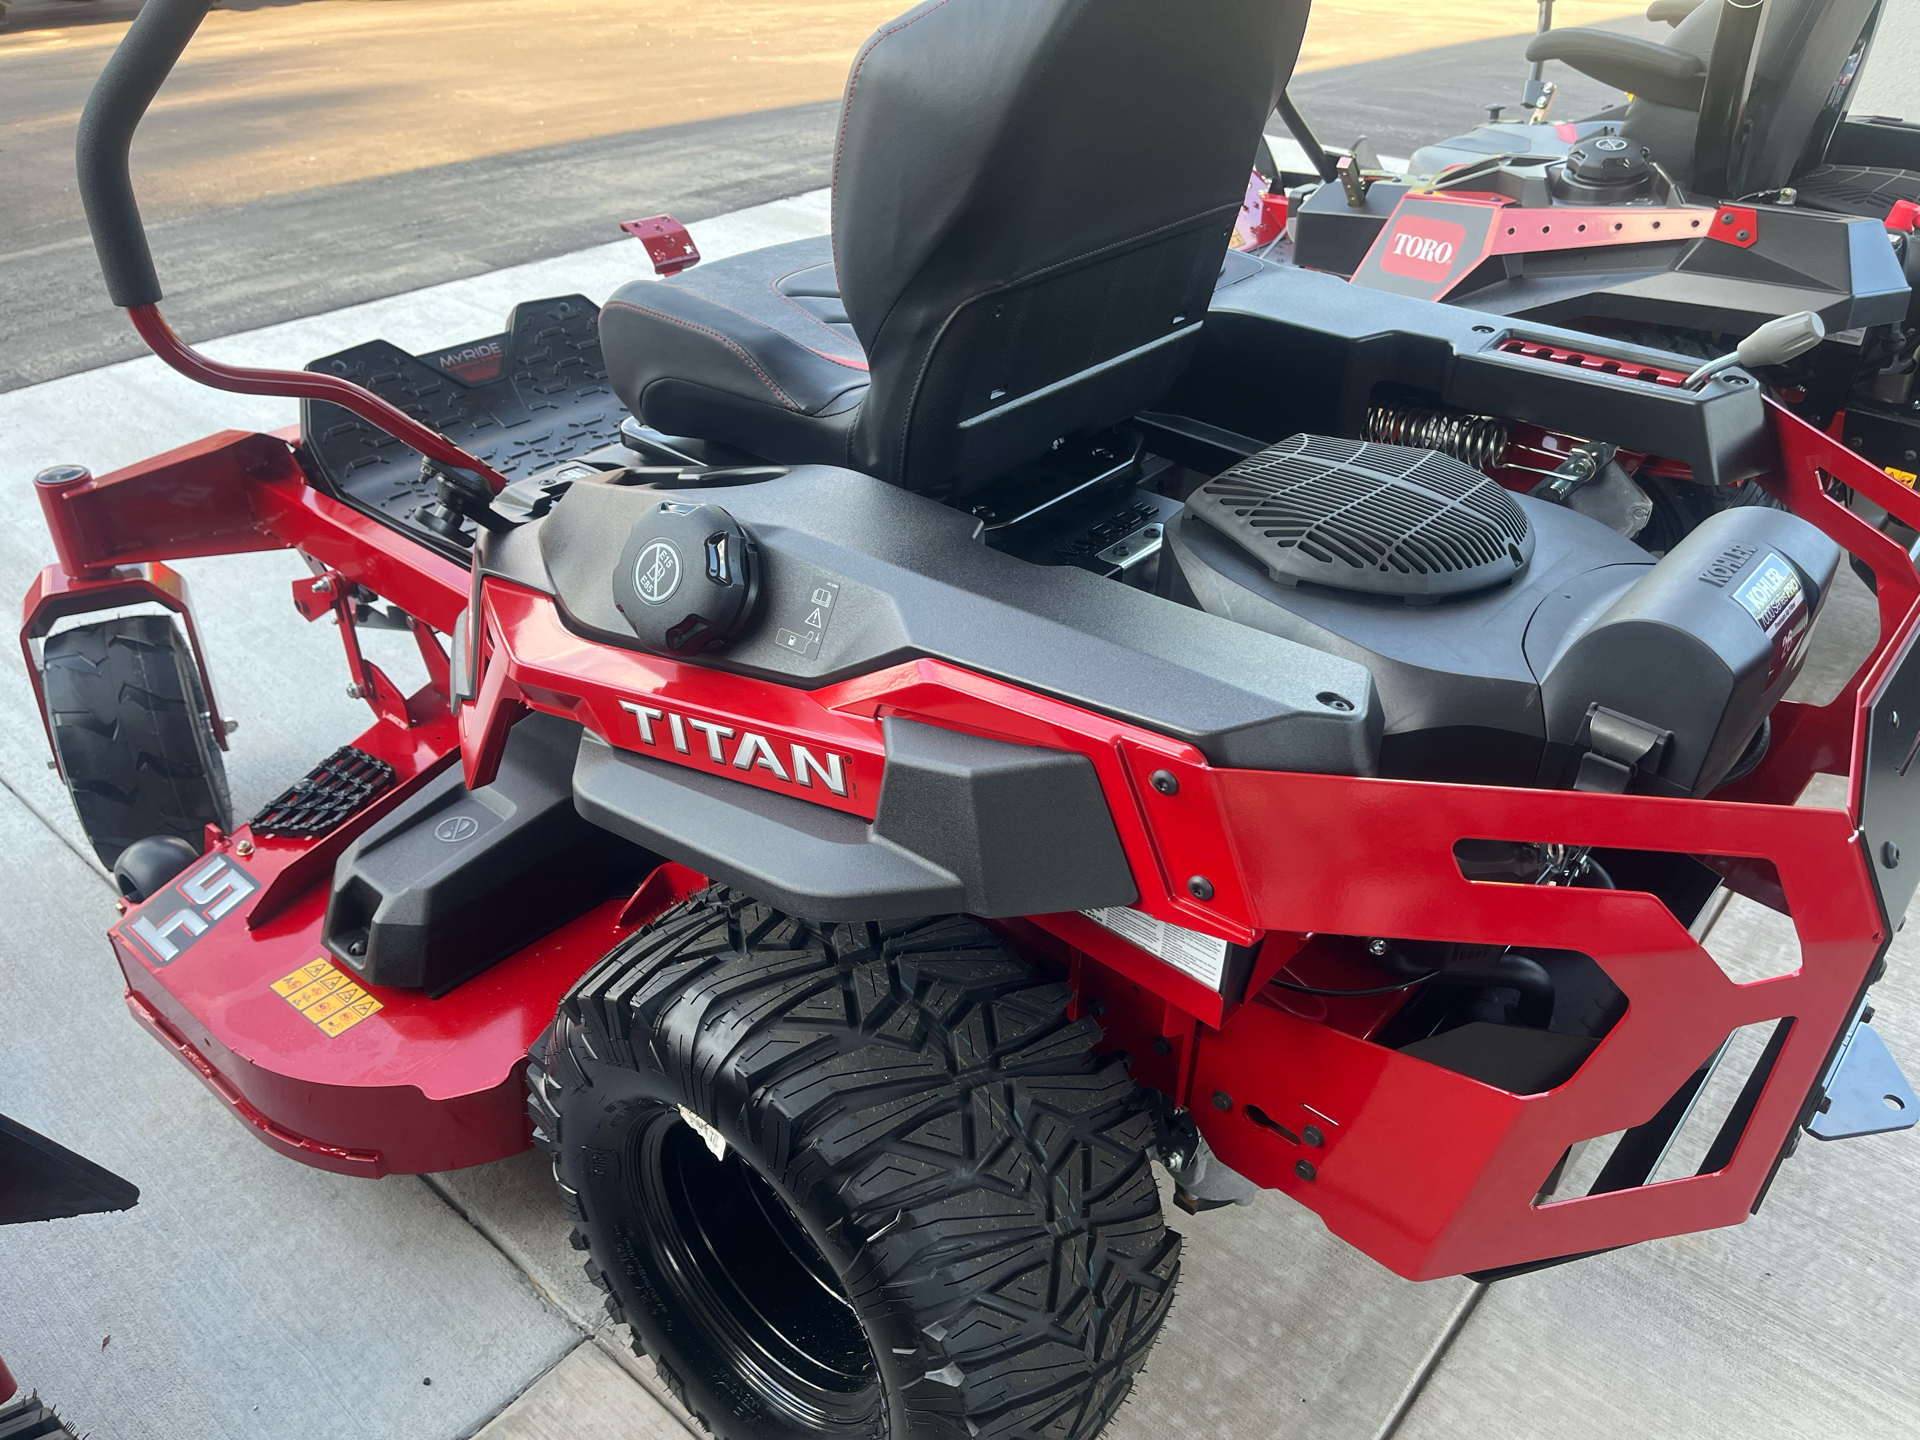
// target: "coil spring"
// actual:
[[1476, 440]]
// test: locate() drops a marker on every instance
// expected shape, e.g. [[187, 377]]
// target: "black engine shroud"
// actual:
[[1498, 686]]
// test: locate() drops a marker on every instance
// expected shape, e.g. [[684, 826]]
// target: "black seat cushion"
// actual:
[[756, 349]]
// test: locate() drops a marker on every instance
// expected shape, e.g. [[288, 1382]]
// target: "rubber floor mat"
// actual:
[[527, 398]]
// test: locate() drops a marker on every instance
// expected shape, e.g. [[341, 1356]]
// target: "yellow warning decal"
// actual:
[[1905, 477], [326, 996]]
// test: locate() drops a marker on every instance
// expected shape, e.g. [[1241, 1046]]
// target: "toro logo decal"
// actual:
[[175, 918], [787, 761], [1422, 249]]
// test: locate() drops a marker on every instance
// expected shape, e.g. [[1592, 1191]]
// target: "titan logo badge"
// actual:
[[750, 751]]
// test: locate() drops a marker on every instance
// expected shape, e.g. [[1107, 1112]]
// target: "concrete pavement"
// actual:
[[248, 1296]]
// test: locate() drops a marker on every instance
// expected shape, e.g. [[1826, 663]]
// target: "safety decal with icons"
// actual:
[[327, 996]]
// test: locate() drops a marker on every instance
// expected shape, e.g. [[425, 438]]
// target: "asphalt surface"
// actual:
[[250, 229]]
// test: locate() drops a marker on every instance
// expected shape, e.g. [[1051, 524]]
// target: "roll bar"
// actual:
[[120, 97], [1715, 145]]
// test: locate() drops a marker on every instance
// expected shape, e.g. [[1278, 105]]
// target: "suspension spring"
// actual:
[[1476, 440]]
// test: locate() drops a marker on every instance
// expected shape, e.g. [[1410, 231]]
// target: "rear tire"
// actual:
[[133, 733], [935, 1215]]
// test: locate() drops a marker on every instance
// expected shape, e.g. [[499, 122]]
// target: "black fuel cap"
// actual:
[[1603, 169], [689, 579]]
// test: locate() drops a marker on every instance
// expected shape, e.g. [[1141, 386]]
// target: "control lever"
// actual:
[[1774, 343]]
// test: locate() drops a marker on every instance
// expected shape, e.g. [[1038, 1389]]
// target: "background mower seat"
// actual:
[[992, 285], [1778, 105]]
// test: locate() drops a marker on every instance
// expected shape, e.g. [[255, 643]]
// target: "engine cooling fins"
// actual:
[[1378, 519]]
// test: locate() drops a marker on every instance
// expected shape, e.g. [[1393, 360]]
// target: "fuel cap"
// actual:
[[689, 579]]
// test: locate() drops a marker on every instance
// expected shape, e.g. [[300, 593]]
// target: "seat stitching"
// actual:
[[783, 334], [785, 399], [846, 110], [774, 286]]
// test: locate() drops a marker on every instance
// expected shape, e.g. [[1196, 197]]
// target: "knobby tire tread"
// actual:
[[921, 1088]]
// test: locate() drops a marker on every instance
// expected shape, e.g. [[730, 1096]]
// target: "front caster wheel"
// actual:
[[856, 1180]]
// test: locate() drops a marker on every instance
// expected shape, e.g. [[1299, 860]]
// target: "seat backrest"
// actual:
[[1787, 91], [1667, 130], [1808, 56], [1032, 201]]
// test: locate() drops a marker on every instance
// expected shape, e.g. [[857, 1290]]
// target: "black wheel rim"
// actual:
[[741, 1268]]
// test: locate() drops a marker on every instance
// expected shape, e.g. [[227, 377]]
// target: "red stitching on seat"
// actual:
[[774, 286], [846, 109], [785, 399], [773, 329]]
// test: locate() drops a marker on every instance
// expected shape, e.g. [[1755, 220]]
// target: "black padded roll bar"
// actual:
[[1295, 122], [1714, 157], [126, 87], [120, 97]]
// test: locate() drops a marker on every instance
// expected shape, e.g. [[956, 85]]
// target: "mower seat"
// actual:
[[992, 285], [1795, 94]]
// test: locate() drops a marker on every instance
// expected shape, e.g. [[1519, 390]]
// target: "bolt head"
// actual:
[[1890, 855], [1222, 1100], [1378, 947], [1162, 1045], [356, 692], [1165, 781], [1743, 235], [323, 586], [243, 849], [1304, 1169], [1313, 1136], [1200, 887]]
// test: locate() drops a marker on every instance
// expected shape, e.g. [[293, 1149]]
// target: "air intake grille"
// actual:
[[1383, 519]]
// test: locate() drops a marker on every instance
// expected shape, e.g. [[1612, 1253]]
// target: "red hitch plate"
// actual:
[[668, 244]]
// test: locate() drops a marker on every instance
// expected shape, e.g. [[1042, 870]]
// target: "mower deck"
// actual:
[[225, 966]]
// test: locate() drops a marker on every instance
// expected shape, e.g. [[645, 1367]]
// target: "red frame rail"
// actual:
[[1426, 1170]]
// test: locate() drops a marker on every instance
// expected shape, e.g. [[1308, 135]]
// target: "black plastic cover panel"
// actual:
[[1290, 350], [963, 824], [453, 881], [1460, 698], [1495, 687], [1890, 808], [860, 575]]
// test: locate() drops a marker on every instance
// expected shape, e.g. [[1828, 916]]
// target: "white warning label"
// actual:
[[1204, 957]]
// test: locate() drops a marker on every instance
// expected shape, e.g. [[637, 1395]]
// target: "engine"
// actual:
[[1513, 641]]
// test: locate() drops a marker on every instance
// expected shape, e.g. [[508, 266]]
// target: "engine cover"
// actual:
[[1496, 686]]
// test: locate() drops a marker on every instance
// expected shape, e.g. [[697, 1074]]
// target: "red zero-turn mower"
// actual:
[[1733, 189], [923, 723]]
